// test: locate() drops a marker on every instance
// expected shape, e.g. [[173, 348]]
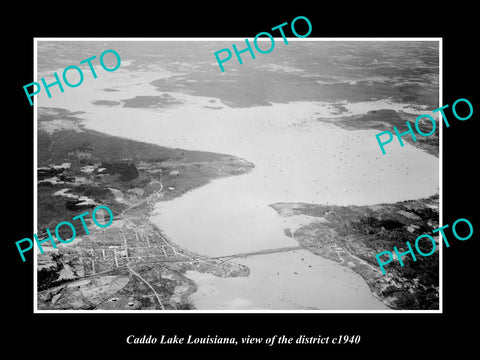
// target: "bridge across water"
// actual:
[[265, 251]]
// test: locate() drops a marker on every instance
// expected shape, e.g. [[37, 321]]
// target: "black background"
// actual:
[[381, 334]]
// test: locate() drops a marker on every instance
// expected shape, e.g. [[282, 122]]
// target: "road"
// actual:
[[122, 214], [265, 252], [148, 284]]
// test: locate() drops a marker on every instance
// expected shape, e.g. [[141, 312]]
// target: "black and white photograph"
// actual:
[[207, 179], [260, 187]]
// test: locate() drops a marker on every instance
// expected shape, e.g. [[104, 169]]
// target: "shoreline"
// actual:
[[407, 288], [302, 153], [103, 256], [204, 263]]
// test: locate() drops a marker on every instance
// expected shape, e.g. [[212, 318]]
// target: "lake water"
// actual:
[[297, 158]]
